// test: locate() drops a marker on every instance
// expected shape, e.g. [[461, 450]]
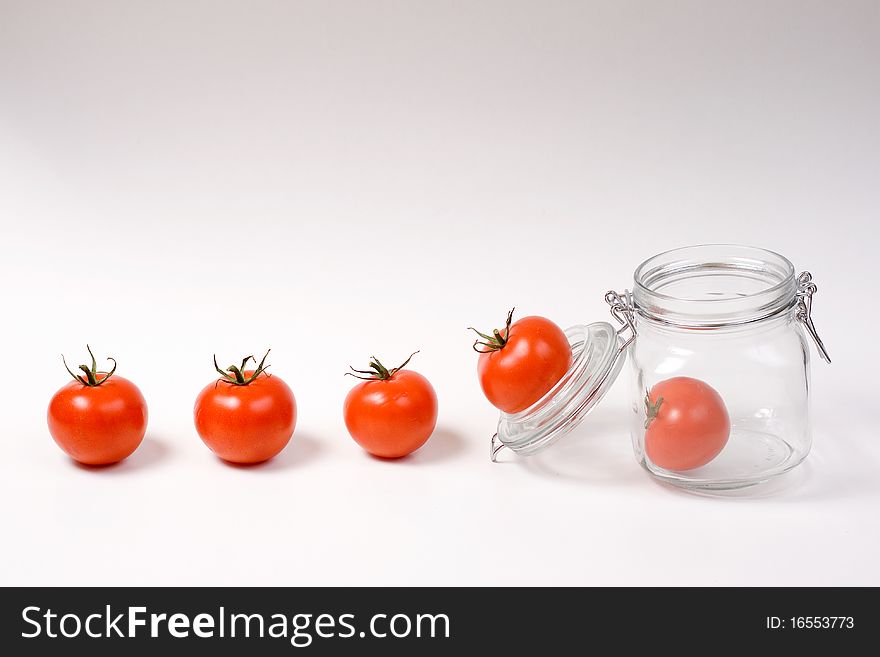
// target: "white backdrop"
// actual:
[[338, 179]]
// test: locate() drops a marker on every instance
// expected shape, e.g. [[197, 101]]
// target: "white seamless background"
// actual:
[[337, 179]]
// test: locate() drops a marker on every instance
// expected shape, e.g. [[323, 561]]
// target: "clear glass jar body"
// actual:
[[727, 316]]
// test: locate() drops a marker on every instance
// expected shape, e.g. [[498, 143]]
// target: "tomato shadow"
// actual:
[[301, 450], [150, 452], [444, 445]]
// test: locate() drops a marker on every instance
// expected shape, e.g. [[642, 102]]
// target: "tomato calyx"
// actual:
[[234, 374], [91, 373], [494, 342], [378, 371], [651, 408]]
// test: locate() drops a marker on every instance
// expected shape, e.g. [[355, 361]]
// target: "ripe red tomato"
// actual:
[[247, 416], [687, 424], [392, 412], [521, 363], [99, 418]]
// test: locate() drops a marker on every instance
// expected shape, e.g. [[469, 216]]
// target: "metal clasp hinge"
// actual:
[[622, 310], [495, 446], [806, 288]]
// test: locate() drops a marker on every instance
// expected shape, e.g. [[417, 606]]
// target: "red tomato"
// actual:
[[392, 412], [247, 416], [99, 418], [687, 424], [521, 363]]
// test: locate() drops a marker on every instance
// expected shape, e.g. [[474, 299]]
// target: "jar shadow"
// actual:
[[594, 453], [818, 478], [783, 486]]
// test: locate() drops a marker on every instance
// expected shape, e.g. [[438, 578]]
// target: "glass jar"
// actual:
[[721, 330]]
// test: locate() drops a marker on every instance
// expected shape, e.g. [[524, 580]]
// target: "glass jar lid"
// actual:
[[598, 353]]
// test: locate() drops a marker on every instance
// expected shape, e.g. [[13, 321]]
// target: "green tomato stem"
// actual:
[[90, 379], [494, 342], [378, 371], [234, 374]]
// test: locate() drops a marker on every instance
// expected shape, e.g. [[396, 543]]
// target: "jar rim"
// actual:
[[710, 285]]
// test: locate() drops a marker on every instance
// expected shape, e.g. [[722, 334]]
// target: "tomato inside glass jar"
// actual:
[[722, 337]]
